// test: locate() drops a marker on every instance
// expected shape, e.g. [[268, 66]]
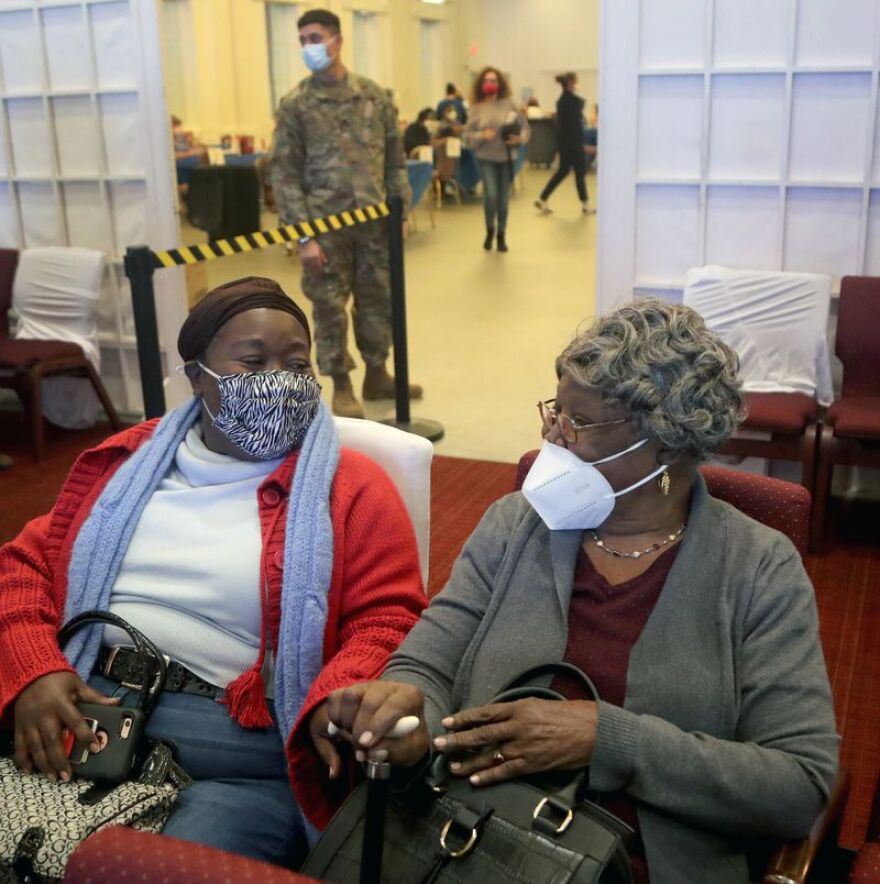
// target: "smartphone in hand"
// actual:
[[118, 731]]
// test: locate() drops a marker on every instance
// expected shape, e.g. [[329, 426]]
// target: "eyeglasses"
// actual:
[[569, 428]]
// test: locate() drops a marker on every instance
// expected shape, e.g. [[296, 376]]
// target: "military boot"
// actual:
[[345, 403]]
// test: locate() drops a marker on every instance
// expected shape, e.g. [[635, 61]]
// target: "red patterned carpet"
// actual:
[[847, 578]]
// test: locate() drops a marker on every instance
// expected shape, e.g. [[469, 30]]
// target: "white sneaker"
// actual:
[[587, 209], [543, 208]]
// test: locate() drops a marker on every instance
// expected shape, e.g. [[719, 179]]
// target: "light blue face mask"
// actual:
[[316, 57]]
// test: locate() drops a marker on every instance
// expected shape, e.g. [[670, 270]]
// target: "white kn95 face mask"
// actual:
[[571, 494]]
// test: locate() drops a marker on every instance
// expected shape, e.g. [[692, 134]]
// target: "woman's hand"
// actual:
[[514, 140], [507, 740], [42, 711], [322, 742], [365, 712]]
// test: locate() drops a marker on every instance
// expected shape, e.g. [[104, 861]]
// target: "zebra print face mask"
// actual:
[[265, 413]]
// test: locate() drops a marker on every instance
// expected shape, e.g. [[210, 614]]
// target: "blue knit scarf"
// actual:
[[103, 541]]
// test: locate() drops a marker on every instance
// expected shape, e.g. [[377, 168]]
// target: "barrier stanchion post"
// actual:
[[139, 270], [421, 427]]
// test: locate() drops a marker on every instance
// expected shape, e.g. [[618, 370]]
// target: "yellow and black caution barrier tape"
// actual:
[[263, 239]]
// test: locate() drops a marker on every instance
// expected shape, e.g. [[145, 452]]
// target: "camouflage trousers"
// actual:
[[357, 265]]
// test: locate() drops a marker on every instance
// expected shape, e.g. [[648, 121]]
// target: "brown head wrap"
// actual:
[[226, 301]]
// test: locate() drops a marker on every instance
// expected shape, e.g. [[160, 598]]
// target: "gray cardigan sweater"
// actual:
[[727, 731]]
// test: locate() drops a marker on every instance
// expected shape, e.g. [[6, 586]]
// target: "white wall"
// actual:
[[227, 63], [737, 132], [534, 40], [85, 155]]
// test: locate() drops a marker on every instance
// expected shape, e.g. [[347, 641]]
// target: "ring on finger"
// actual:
[[498, 757]]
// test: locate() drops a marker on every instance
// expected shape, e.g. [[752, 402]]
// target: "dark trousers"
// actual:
[[496, 193], [568, 161]]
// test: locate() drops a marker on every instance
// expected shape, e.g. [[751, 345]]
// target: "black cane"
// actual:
[[378, 777]]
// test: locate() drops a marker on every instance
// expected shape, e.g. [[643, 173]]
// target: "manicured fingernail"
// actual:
[[332, 774], [448, 721], [440, 742], [51, 777], [366, 738], [95, 748], [380, 755], [456, 765], [475, 780], [65, 776], [360, 755]]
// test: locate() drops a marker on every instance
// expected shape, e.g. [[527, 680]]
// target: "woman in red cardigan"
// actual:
[[269, 565]]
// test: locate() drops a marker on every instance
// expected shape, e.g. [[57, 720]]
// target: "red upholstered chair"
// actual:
[[24, 363], [777, 322], [779, 426], [8, 263], [851, 429], [119, 855], [773, 502]]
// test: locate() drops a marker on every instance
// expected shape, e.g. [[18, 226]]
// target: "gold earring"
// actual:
[[664, 484]]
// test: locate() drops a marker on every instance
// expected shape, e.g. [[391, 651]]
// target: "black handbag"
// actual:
[[44, 822], [438, 828]]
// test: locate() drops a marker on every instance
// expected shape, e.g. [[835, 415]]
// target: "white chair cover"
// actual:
[[55, 295], [776, 322], [406, 458]]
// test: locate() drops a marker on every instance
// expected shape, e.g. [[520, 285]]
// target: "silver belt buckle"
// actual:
[[111, 659]]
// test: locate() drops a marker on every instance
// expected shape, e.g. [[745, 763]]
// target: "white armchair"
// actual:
[[406, 458]]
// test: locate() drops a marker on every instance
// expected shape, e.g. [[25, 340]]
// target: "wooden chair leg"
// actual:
[[35, 397], [101, 391], [808, 449], [824, 473]]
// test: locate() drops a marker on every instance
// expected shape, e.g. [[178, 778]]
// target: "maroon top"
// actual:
[[604, 622]]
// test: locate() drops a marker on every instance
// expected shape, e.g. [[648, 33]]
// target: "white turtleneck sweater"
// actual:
[[190, 580]]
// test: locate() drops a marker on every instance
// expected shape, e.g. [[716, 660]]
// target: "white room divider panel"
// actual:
[[737, 132], [85, 156]]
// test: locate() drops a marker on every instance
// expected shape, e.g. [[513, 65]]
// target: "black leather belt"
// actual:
[[125, 665]]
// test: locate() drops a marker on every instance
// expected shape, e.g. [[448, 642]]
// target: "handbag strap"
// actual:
[[152, 683], [528, 678]]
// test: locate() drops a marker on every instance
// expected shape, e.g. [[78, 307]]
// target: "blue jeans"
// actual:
[[240, 799], [496, 193]]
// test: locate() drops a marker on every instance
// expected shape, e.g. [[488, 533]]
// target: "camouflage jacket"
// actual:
[[337, 146]]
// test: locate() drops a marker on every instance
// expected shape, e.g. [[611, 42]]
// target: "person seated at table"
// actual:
[[270, 565], [417, 134], [697, 624], [532, 110], [452, 108]]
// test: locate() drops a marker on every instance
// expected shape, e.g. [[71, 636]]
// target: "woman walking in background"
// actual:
[[570, 124], [495, 130]]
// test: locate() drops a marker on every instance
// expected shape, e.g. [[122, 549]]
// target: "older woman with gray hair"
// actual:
[[698, 625]]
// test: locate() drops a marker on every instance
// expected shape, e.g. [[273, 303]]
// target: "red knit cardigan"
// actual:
[[375, 597]]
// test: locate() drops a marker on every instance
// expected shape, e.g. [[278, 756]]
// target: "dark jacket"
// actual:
[[415, 135], [570, 123]]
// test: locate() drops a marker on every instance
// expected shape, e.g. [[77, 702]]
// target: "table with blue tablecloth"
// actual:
[[420, 174], [243, 159], [185, 166]]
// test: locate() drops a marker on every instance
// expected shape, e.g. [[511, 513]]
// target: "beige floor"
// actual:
[[484, 328]]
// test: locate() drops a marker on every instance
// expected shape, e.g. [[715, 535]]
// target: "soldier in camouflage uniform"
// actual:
[[337, 147]]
